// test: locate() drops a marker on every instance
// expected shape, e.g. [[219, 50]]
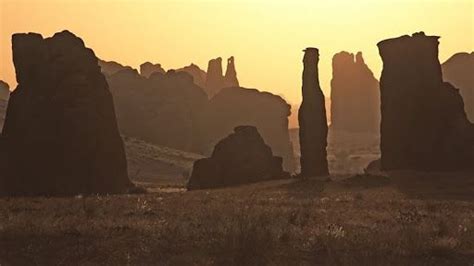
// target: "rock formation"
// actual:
[[240, 106], [4, 90], [199, 75], [230, 74], [4, 95], [312, 119], [147, 69], [162, 109], [355, 96], [240, 158], [215, 81], [60, 135], [459, 71], [424, 125], [108, 68]]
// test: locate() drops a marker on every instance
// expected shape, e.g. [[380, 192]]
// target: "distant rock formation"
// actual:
[[108, 68], [240, 158], [424, 125], [355, 96], [230, 74], [147, 69], [199, 75], [4, 90], [459, 71], [162, 109], [60, 135], [240, 106], [215, 81], [312, 119]]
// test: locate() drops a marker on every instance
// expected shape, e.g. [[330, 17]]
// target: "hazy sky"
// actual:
[[265, 36]]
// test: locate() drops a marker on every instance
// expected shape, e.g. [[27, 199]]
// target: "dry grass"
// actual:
[[292, 222]]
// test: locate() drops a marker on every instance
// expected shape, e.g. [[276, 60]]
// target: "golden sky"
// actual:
[[265, 36]]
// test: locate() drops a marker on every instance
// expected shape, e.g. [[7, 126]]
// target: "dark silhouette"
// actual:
[[199, 75], [147, 69], [108, 68], [312, 119], [242, 157], [4, 95], [424, 126], [215, 81], [355, 96], [60, 135], [162, 109], [4, 90], [459, 71], [240, 106], [230, 74]]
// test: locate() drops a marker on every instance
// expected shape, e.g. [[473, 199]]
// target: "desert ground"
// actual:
[[399, 218]]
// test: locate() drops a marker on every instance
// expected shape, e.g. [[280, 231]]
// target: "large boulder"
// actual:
[[424, 125], [355, 95], [60, 135], [240, 158], [459, 71], [199, 75], [240, 106], [312, 119]]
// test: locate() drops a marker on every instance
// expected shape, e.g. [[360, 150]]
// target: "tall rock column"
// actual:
[[230, 74], [60, 134], [424, 125], [215, 79], [312, 119]]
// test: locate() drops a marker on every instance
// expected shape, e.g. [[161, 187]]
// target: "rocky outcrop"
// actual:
[[230, 74], [147, 69], [312, 119], [108, 68], [199, 75], [424, 125], [216, 81], [4, 95], [459, 71], [4, 90], [162, 109], [240, 106], [240, 158], [355, 96], [60, 134]]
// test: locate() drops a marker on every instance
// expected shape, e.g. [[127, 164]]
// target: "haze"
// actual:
[[266, 37]]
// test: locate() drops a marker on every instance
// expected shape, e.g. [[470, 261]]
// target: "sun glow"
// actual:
[[266, 37]]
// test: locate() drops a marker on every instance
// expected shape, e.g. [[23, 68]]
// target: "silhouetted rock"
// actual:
[[147, 69], [240, 106], [312, 119], [230, 74], [108, 68], [4, 90], [459, 71], [240, 158], [162, 109], [199, 75], [60, 134], [355, 96], [215, 81], [424, 126]]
